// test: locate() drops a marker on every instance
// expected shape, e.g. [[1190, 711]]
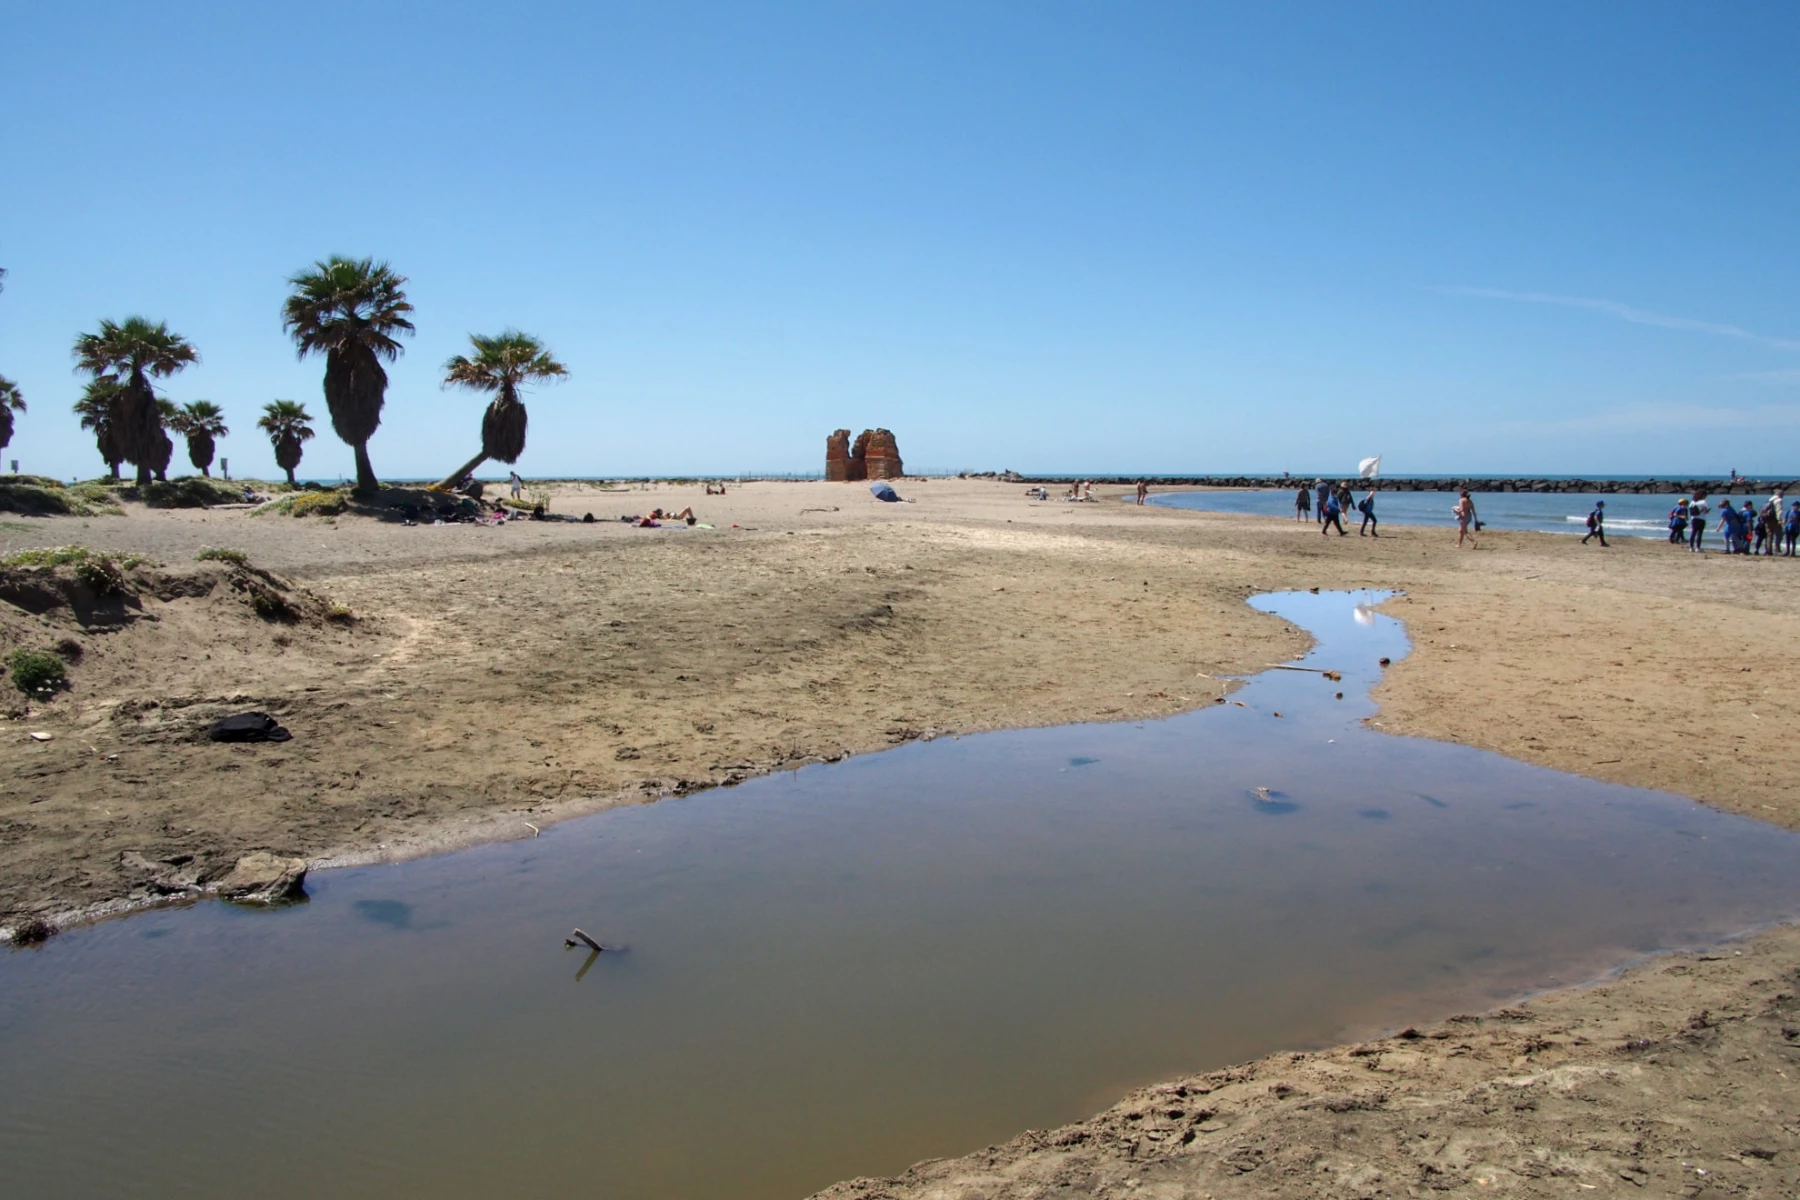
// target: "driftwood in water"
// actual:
[[584, 939]]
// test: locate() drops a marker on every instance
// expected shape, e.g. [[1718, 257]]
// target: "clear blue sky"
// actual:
[[1049, 236]]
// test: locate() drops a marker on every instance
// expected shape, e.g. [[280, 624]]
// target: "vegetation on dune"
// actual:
[[202, 423], [36, 672], [351, 311], [236, 558], [500, 365], [38, 496], [131, 353], [289, 426], [191, 491], [322, 503], [62, 556]]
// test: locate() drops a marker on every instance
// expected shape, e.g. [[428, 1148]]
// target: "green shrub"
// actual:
[[35, 672], [100, 573], [236, 558], [307, 503], [46, 556]]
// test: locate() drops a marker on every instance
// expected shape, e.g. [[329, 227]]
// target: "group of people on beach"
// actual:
[[1746, 530], [1334, 500]]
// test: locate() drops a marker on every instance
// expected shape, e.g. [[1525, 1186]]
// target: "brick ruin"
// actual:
[[874, 455]]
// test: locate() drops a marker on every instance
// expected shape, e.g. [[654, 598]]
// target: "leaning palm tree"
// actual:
[[97, 408], [500, 365], [133, 352], [288, 424], [11, 400], [202, 423], [350, 310]]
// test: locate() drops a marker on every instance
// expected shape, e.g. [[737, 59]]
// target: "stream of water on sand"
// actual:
[[844, 969]]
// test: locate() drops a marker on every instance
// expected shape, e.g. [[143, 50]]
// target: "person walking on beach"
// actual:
[[1334, 515], [518, 485], [1324, 495], [1596, 523], [1367, 508], [1678, 520], [1750, 525], [1697, 522], [1464, 512], [1143, 489], [1790, 526], [1303, 504]]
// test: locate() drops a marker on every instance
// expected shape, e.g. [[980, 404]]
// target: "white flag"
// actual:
[[1370, 467]]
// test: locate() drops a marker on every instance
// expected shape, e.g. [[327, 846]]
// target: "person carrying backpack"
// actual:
[[1367, 507], [1334, 515], [1596, 523], [1697, 523]]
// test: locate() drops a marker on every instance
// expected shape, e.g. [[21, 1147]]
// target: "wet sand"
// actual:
[[496, 677]]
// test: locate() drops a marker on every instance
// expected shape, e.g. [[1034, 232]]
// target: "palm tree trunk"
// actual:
[[367, 486], [143, 475], [455, 477], [291, 482], [113, 468], [205, 473]]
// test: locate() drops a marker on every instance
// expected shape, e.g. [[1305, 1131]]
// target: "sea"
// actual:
[[1627, 515]]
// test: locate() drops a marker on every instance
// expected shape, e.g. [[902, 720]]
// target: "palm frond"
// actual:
[[11, 398]]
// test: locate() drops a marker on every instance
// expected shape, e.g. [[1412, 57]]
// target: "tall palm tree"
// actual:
[[500, 365], [11, 400], [202, 423], [350, 310], [288, 424], [133, 352], [96, 408]]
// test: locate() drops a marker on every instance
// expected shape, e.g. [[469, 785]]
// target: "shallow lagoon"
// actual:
[[844, 969]]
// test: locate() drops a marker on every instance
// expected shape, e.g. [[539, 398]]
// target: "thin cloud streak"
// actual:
[[1623, 312]]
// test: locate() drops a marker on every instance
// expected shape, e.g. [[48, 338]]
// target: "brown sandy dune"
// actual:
[[529, 673]]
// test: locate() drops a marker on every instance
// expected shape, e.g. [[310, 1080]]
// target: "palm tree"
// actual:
[[500, 365], [133, 352], [202, 423], [288, 424], [96, 408], [350, 310], [11, 400]]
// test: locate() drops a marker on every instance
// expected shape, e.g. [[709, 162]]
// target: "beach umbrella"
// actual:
[[1369, 468], [883, 491]]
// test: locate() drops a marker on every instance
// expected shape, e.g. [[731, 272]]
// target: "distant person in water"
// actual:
[[1143, 489], [1303, 504], [1464, 512], [1596, 523], [1678, 522], [1367, 508], [1334, 515], [1697, 522]]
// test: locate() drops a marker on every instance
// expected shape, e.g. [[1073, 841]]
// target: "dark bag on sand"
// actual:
[[248, 727]]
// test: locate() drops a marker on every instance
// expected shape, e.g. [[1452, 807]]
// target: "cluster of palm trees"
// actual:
[[351, 311], [12, 400]]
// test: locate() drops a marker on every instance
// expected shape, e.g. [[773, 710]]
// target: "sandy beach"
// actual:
[[452, 684]]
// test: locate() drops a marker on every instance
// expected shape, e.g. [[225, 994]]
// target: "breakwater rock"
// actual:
[[1717, 487]]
